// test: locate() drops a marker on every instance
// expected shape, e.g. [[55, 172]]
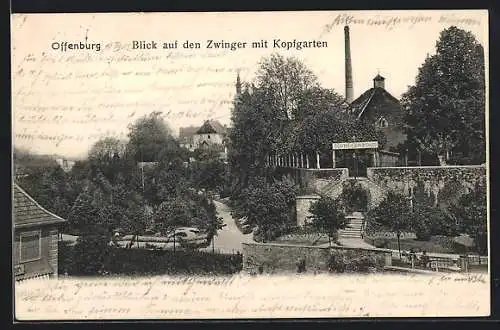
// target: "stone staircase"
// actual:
[[355, 226], [333, 189]]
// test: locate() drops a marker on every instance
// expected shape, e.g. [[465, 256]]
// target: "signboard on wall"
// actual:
[[19, 269], [355, 145]]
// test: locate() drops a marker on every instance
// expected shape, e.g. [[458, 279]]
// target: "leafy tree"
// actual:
[[208, 171], [150, 139], [268, 206], [164, 181], [49, 186], [180, 212], [104, 150], [428, 220], [317, 99], [392, 214], [364, 131], [92, 245], [320, 122], [446, 106], [90, 254], [251, 138], [471, 214], [316, 127], [84, 214], [284, 79], [216, 223], [80, 171], [286, 89], [327, 217]]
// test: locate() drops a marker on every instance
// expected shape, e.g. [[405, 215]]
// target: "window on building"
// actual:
[[30, 246], [382, 123], [209, 136]]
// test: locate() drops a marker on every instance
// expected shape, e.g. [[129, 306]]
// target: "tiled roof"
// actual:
[[358, 106], [211, 127], [27, 212], [206, 128], [219, 128]]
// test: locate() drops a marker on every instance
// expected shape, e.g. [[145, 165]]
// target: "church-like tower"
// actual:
[[238, 84]]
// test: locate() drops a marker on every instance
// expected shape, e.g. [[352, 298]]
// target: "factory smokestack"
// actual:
[[348, 67]]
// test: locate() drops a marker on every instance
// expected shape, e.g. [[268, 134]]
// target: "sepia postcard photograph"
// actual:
[[250, 165]]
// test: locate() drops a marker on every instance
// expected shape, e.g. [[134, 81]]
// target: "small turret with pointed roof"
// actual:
[[379, 81]]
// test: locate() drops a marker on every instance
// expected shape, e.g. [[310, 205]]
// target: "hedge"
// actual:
[[119, 261]]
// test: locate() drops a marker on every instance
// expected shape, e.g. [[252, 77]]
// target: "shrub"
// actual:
[[428, 221], [362, 264], [381, 243], [422, 229], [327, 217], [154, 262], [336, 264], [471, 213], [89, 255], [301, 265], [340, 264], [268, 206]]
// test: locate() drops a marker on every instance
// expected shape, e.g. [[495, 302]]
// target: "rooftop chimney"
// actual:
[[348, 67]]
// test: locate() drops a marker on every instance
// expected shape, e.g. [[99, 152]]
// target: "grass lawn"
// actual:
[[429, 246], [434, 245]]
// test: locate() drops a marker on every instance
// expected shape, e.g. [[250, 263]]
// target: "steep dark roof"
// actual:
[[211, 127], [27, 212], [358, 106], [219, 128]]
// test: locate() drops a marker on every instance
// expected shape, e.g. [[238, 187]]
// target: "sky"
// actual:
[[64, 101]]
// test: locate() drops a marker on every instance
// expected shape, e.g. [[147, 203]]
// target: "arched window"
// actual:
[[382, 123]]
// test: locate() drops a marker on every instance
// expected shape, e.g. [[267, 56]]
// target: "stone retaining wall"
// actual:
[[278, 258], [313, 180], [443, 184]]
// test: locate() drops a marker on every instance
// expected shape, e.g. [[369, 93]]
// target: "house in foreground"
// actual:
[[35, 242]]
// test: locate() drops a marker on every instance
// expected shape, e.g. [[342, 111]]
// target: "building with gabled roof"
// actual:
[[376, 105], [211, 133], [206, 128], [36, 235], [379, 107]]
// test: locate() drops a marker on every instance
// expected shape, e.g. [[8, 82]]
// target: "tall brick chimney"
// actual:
[[348, 67]]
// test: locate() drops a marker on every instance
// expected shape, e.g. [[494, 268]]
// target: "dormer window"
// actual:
[[382, 123]]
